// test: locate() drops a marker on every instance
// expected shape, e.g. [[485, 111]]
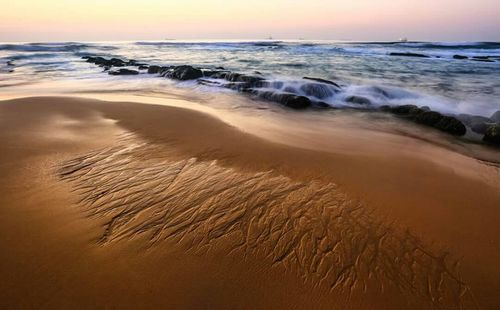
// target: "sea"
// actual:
[[450, 77]]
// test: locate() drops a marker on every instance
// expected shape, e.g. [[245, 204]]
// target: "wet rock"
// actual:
[[289, 100], [320, 91], [220, 68], [321, 81], [143, 67], [154, 69], [358, 100], [495, 117], [479, 127], [250, 80], [406, 110], [185, 73], [460, 57], [103, 62], [482, 58], [492, 134], [429, 118], [409, 55], [209, 73], [477, 123], [123, 72], [451, 125]]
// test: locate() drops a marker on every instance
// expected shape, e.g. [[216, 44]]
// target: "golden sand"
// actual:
[[130, 205]]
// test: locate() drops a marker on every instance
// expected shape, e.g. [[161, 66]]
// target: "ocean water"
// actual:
[[362, 68]]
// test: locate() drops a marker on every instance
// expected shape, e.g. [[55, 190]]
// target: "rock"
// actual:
[[250, 80], [451, 125], [143, 67], [460, 57], [123, 72], [406, 110], [478, 124], [116, 62], [154, 69], [320, 91], [481, 57], [429, 118], [289, 100], [358, 100], [220, 68], [321, 81], [409, 55], [495, 117], [483, 60], [492, 134], [479, 127], [185, 73]]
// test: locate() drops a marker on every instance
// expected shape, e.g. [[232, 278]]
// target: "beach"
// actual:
[[163, 204]]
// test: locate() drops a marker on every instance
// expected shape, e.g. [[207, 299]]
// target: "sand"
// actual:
[[127, 205]]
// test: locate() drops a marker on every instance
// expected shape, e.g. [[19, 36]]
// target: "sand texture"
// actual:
[[127, 205]]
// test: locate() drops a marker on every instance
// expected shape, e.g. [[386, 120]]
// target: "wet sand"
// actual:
[[126, 205]]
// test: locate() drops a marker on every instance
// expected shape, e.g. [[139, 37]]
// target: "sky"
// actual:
[[366, 20]]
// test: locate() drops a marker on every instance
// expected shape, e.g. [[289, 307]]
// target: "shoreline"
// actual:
[[446, 200]]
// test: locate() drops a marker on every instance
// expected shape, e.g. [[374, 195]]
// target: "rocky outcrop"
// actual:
[[451, 125], [448, 124], [460, 57], [184, 73], [289, 100], [358, 100], [318, 90], [409, 55], [123, 72], [492, 134]]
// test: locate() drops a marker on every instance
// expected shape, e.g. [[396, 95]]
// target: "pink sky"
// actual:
[[63, 20]]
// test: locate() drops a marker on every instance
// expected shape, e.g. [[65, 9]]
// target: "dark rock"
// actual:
[[481, 57], [154, 69], [409, 55], [478, 124], [492, 134], [479, 127], [321, 104], [406, 110], [358, 100], [116, 62], [143, 67], [289, 100], [451, 125], [385, 108], [460, 57], [321, 81], [10, 63], [320, 91], [123, 72], [495, 117], [209, 73], [220, 68], [483, 60], [429, 118], [185, 73], [289, 89]]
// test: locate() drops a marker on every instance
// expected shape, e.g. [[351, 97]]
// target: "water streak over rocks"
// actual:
[[310, 228]]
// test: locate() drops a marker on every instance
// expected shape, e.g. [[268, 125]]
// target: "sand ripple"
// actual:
[[310, 228]]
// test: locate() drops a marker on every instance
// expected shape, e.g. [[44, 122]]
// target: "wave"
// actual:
[[220, 44], [52, 47]]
